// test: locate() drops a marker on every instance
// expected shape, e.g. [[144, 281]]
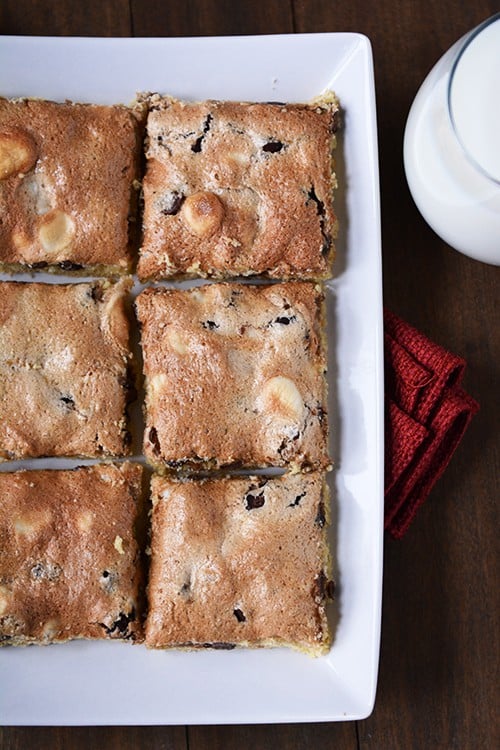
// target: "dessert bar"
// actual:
[[69, 557], [239, 562], [237, 189], [234, 375], [67, 193], [64, 369]]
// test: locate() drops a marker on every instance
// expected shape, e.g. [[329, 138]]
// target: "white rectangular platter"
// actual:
[[115, 683]]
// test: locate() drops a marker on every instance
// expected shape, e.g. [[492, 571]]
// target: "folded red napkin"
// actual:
[[427, 413]]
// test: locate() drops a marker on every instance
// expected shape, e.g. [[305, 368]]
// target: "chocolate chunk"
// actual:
[[254, 501], [320, 206], [330, 589], [320, 519], [239, 615], [210, 325], [272, 147], [69, 401], [324, 588], [173, 207], [297, 500], [68, 265], [320, 587], [154, 440], [284, 321], [96, 292], [196, 147], [335, 123], [121, 624]]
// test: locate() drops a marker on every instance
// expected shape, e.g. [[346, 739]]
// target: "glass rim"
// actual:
[[465, 44]]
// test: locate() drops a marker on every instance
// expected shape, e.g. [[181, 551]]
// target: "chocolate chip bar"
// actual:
[[64, 369], [69, 557], [67, 191], [236, 189], [234, 376], [239, 562]]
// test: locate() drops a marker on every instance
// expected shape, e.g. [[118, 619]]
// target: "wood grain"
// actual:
[[439, 656], [65, 18], [210, 17]]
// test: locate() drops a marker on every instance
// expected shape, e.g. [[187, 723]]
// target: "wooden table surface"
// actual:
[[439, 652]]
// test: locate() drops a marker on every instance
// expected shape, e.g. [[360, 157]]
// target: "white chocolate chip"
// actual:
[[56, 231], [157, 384], [85, 520], [118, 545], [281, 395], [17, 154], [202, 213], [30, 523], [176, 341]]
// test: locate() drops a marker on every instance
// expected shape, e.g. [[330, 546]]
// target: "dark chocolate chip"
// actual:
[[320, 519], [286, 320], [210, 325], [121, 624], [105, 573], [282, 446], [324, 587], [239, 615], [327, 243], [173, 207], [321, 582], [297, 500], [96, 292], [335, 123], [254, 501], [68, 265], [69, 401], [196, 147], [320, 210], [320, 206], [39, 264], [154, 440], [272, 147]]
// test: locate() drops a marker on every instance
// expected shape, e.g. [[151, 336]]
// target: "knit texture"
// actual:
[[427, 413]]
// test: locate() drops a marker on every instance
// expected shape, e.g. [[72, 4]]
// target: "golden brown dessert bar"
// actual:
[[238, 189], [67, 192], [69, 557], [234, 376], [64, 369], [239, 562]]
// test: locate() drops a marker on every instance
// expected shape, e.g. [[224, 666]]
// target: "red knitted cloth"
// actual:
[[427, 413]]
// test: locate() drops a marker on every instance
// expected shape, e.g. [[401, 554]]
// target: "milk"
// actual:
[[452, 154]]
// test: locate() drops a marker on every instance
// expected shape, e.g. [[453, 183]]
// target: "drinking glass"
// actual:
[[452, 145]]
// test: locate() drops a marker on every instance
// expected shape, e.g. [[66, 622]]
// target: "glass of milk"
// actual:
[[452, 145]]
